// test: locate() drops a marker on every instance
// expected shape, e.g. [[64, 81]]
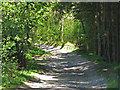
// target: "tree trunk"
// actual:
[[118, 43], [98, 22], [107, 27], [87, 47], [119, 32], [115, 33], [62, 30]]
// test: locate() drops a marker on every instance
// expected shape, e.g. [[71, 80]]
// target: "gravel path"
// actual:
[[65, 69]]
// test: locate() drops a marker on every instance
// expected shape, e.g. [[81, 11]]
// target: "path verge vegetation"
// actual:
[[92, 27], [110, 70], [19, 75]]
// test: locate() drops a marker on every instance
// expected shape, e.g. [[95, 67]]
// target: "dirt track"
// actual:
[[65, 69]]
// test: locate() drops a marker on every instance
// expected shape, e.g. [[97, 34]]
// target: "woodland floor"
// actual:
[[65, 69]]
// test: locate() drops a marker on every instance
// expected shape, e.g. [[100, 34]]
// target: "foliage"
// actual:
[[36, 51], [88, 25], [19, 23], [10, 82], [9, 61], [12, 77]]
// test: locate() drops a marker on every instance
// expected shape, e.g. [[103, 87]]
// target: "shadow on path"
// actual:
[[67, 70]]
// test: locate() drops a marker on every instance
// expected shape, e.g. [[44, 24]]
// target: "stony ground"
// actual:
[[66, 70]]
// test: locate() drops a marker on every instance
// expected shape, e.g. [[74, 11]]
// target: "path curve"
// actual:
[[65, 69]]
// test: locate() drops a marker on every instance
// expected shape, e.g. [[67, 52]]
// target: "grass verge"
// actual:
[[105, 67]]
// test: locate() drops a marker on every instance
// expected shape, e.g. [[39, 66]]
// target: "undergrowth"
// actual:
[[17, 77]]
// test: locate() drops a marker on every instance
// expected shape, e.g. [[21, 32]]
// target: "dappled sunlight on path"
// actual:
[[67, 70]]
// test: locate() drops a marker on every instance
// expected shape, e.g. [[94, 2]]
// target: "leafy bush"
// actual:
[[36, 51], [8, 58], [11, 62]]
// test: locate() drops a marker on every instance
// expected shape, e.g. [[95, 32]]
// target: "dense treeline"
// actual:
[[101, 25], [93, 27]]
